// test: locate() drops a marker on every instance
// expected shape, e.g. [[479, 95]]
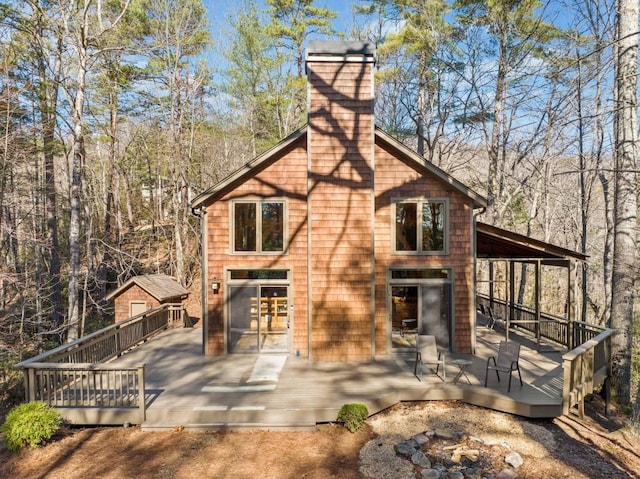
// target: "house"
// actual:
[[339, 243], [142, 293]]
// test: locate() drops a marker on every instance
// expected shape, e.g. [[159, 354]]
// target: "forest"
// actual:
[[116, 113]]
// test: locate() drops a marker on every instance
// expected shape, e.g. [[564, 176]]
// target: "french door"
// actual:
[[422, 307], [258, 318]]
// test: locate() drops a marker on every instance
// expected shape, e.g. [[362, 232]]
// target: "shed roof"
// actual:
[[496, 243], [160, 286]]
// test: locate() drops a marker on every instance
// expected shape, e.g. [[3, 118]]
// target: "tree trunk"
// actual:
[[625, 200], [47, 94], [77, 172], [495, 147]]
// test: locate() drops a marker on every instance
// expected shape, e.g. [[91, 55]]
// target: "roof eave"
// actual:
[[478, 200], [207, 196], [552, 251]]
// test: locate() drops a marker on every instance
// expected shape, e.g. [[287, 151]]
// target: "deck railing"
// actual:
[[585, 367], [588, 362], [74, 378], [569, 334]]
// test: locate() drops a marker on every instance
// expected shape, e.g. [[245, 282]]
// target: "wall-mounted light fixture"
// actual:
[[215, 285]]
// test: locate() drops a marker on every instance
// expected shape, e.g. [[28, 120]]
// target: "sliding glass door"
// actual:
[[258, 318]]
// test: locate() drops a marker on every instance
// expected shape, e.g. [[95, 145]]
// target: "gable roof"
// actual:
[[160, 286], [421, 163], [208, 196], [496, 243], [417, 161]]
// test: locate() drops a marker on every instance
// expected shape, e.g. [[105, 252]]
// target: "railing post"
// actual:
[[566, 386], [142, 399], [117, 341]]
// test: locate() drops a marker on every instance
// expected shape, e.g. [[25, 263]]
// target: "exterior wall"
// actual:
[[395, 179], [339, 226], [285, 178], [134, 293], [341, 132]]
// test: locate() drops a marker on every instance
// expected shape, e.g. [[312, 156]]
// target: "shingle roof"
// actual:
[[210, 195], [160, 286]]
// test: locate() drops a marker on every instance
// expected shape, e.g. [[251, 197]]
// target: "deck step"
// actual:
[[213, 418]]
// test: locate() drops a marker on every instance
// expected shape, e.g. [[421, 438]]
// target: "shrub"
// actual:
[[353, 415], [29, 424]]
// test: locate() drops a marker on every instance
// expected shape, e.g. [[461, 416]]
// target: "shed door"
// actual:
[[136, 308]]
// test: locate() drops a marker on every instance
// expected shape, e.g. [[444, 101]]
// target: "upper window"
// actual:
[[258, 226], [420, 226]]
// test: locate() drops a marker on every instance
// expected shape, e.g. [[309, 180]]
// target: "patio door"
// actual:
[[258, 318], [420, 304]]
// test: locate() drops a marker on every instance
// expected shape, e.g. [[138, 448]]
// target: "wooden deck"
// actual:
[[189, 390]]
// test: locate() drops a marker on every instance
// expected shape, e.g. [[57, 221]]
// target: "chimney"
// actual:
[[341, 199]]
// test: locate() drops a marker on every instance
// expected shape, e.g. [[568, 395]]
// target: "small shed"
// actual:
[[141, 293]]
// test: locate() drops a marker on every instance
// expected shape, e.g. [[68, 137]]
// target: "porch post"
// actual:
[[571, 301], [510, 274], [491, 279], [538, 293]]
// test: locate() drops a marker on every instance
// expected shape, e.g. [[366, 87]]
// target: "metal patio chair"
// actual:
[[427, 354], [507, 362]]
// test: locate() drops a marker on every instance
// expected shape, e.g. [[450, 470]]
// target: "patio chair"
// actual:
[[507, 362], [427, 353]]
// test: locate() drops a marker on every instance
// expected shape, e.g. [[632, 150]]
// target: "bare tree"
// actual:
[[625, 200]]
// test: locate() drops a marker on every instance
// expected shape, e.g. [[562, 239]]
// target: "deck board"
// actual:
[[185, 388]]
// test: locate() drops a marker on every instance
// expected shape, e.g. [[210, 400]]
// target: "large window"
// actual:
[[258, 226], [420, 226]]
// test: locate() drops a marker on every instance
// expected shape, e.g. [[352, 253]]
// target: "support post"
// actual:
[[537, 299], [142, 397]]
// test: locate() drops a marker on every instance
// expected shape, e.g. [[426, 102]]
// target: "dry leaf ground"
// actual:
[[593, 448]]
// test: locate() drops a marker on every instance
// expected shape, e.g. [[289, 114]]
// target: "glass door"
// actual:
[[258, 318], [423, 308], [434, 314]]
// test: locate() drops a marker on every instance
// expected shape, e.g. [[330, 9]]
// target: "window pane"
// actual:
[[420, 274], [433, 226], [245, 226], [272, 226], [406, 229], [259, 274]]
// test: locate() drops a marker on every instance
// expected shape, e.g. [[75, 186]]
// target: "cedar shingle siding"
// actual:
[[340, 203], [338, 177]]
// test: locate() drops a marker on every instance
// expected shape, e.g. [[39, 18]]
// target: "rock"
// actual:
[[514, 460], [419, 458], [458, 435], [430, 474], [404, 449], [445, 433], [413, 443], [473, 473], [421, 439], [507, 474], [455, 475]]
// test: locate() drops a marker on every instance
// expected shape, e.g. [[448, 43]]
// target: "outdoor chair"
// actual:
[[507, 362], [427, 354]]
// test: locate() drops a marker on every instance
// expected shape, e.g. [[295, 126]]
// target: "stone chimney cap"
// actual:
[[340, 48]]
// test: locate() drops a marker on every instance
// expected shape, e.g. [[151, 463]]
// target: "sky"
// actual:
[[218, 9]]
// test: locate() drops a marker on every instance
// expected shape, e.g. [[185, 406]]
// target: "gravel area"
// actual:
[[379, 460]]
